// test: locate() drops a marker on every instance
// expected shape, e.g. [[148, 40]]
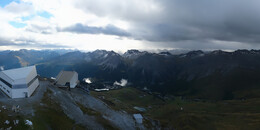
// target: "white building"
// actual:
[[138, 118], [19, 83], [67, 78]]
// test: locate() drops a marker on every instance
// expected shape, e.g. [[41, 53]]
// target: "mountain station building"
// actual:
[[20, 82]]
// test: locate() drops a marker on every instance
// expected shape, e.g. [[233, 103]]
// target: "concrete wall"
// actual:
[[139, 120], [33, 86], [73, 81], [6, 89], [19, 86], [31, 75], [20, 81], [6, 78], [19, 93]]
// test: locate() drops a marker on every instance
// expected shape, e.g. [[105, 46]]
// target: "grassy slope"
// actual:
[[51, 116], [231, 114], [236, 84], [48, 116], [4, 116]]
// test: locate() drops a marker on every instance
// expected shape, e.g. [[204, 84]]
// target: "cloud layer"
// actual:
[[108, 30], [133, 24]]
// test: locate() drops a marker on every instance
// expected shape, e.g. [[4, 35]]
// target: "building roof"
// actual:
[[19, 73], [65, 76], [137, 116]]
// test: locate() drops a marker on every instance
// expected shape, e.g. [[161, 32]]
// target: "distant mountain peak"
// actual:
[[251, 52], [193, 54], [133, 54], [216, 52], [132, 51], [165, 53]]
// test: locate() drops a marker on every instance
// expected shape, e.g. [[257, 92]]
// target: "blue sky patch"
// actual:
[[44, 14], [17, 24], [41, 14], [3, 3], [26, 18]]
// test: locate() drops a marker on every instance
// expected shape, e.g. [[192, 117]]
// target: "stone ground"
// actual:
[[117, 118], [67, 101], [71, 109], [26, 104]]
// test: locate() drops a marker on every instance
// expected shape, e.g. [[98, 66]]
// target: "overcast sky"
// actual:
[[130, 24]]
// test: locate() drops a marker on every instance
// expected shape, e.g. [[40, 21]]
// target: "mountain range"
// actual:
[[214, 75]]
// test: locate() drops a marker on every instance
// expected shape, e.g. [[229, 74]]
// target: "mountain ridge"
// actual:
[[181, 74]]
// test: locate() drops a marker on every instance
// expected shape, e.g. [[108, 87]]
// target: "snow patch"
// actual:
[[7, 122], [27, 122], [87, 80], [105, 55], [103, 89]]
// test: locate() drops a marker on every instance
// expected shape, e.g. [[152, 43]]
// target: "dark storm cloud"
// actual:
[[232, 20], [108, 30], [174, 21]]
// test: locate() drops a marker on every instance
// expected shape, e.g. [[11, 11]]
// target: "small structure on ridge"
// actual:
[[67, 79], [138, 118]]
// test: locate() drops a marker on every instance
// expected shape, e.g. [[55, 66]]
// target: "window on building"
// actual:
[[6, 83]]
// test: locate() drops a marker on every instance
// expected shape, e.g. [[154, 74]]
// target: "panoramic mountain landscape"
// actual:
[[193, 80], [129, 65], [216, 75]]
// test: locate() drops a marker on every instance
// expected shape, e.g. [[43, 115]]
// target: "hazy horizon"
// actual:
[[121, 52]]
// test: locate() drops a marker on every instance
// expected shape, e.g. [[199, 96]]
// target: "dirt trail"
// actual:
[[119, 119], [72, 110], [26, 104]]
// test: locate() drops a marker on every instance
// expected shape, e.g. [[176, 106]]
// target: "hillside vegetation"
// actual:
[[179, 113]]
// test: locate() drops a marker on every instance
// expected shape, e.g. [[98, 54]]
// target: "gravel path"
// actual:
[[72, 110], [68, 101], [26, 104], [119, 119]]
